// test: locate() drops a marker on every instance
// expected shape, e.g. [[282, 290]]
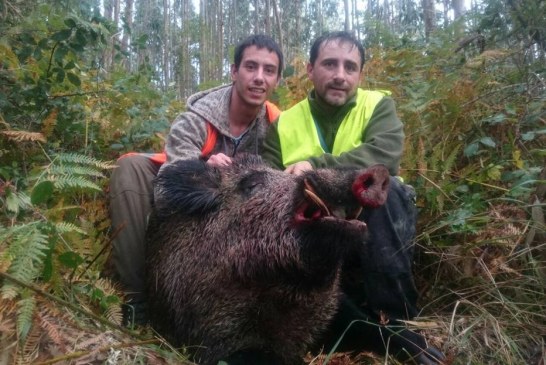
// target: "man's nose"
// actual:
[[259, 75], [339, 74]]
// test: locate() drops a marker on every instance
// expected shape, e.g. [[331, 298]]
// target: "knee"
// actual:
[[133, 173]]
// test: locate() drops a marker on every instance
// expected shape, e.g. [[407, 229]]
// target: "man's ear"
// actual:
[[309, 69], [233, 72]]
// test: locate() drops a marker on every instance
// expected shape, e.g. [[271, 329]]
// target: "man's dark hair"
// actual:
[[260, 41], [341, 36]]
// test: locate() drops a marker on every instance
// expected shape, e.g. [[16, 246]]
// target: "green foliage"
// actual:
[[68, 171], [61, 118], [26, 246], [474, 153], [26, 309]]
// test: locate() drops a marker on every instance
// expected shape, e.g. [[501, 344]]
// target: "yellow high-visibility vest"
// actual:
[[300, 139]]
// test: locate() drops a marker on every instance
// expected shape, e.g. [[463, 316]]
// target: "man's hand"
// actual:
[[218, 160], [299, 168]]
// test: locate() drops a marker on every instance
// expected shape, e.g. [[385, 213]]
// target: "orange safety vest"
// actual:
[[272, 112]]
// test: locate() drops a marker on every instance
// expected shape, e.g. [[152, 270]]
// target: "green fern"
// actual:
[[16, 201], [26, 251], [74, 170], [66, 227], [25, 312], [451, 159], [72, 181], [75, 158]]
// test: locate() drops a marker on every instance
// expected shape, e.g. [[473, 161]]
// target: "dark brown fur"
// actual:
[[236, 263]]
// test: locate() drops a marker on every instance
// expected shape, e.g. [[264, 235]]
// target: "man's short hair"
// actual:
[[342, 36], [260, 41]]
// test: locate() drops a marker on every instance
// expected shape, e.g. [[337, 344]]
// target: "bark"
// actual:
[[347, 18], [267, 17], [429, 17], [278, 22], [166, 45], [458, 8], [129, 22], [109, 52]]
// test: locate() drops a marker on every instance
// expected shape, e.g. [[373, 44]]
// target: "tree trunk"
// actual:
[[220, 41], [347, 18], [129, 23], [278, 23], [267, 17], [458, 8], [429, 17], [166, 46], [202, 41], [109, 52]]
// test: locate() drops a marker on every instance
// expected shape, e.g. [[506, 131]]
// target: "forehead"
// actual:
[[260, 55], [340, 50]]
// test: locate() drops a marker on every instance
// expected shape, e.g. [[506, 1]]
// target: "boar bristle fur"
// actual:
[[241, 261]]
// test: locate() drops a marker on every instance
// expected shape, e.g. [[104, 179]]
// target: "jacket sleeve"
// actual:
[[186, 137], [382, 142], [271, 152]]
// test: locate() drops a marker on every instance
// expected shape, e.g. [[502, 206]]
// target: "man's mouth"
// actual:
[[257, 90], [337, 89]]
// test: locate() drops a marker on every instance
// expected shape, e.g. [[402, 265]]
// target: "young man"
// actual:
[[218, 124], [339, 124]]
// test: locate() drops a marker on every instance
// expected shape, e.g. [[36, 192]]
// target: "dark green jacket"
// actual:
[[382, 140]]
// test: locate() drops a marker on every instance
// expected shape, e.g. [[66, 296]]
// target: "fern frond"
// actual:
[[83, 160], [26, 251], [17, 201], [24, 136], [7, 325], [78, 182], [25, 313], [48, 323], [451, 159], [66, 227], [114, 314], [74, 170]]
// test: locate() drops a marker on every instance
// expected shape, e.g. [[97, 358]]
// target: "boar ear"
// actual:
[[188, 187]]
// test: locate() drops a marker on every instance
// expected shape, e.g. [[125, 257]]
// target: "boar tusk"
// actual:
[[310, 193], [357, 212]]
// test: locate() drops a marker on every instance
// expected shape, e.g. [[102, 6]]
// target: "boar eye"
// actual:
[[251, 183]]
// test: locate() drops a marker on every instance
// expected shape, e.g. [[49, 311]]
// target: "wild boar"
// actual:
[[246, 259]]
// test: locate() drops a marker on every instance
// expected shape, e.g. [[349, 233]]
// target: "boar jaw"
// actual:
[[314, 208]]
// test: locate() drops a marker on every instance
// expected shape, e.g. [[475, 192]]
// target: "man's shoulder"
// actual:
[[213, 94], [211, 105]]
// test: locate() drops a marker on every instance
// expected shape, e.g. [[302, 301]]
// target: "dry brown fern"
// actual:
[[24, 136], [49, 323]]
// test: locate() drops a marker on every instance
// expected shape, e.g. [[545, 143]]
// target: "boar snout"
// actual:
[[371, 186]]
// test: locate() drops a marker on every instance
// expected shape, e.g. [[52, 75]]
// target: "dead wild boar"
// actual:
[[246, 258]]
